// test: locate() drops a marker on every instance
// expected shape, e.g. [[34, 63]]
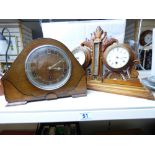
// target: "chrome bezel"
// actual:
[[49, 86]]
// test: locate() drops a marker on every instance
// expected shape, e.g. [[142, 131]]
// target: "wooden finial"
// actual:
[[98, 32]]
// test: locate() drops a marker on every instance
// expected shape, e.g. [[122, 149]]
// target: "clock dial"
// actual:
[[117, 57], [82, 55], [148, 38], [48, 67]]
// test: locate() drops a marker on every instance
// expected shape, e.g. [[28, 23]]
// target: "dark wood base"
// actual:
[[135, 90]]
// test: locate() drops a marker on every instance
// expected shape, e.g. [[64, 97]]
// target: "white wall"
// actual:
[[75, 32]]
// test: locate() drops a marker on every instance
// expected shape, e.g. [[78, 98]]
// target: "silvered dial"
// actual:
[[80, 56], [117, 57], [48, 67]]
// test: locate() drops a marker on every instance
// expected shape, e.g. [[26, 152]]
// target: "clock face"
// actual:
[[148, 38], [48, 67], [80, 56], [117, 58]]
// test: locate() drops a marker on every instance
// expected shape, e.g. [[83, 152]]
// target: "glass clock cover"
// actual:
[[48, 67]]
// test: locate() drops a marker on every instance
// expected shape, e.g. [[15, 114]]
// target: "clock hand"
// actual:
[[51, 67], [58, 68], [120, 57]]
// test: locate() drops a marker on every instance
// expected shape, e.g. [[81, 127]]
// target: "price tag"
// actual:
[[85, 116]]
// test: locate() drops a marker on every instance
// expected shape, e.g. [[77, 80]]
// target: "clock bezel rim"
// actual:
[[87, 52], [45, 87], [108, 49], [142, 36]]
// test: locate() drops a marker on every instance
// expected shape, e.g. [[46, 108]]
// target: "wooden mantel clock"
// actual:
[[45, 69], [113, 67]]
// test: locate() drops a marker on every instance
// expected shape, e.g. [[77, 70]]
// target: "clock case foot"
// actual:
[[15, 97]]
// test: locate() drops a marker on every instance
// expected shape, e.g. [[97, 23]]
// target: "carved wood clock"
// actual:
[[45, 69], [113, 67]]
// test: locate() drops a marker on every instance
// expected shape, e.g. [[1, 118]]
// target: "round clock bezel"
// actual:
[[87, 53], [142, 37], [106, 52], [51, 86]]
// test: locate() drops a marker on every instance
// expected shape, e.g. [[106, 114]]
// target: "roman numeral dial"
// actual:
[[117, 57]]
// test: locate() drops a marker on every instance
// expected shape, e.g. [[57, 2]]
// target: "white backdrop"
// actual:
[[75, 32]]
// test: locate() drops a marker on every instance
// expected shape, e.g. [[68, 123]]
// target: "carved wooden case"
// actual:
[[18, 88], [122, 80]]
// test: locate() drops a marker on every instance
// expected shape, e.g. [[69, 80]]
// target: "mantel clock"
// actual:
[[45, 69]]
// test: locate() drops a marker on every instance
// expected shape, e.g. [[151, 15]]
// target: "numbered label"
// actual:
[[85, 116]]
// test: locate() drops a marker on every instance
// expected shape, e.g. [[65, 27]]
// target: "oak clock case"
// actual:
[[45, 69]]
